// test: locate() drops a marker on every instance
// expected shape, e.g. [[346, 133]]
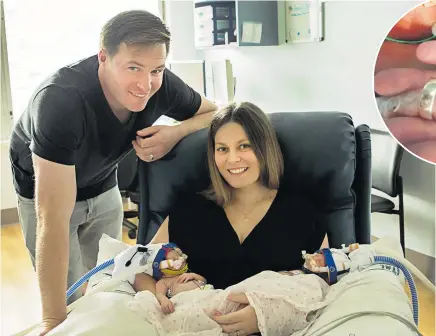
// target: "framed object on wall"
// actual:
[[304, 21]]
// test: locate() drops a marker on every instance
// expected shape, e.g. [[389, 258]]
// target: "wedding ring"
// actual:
[[151, 157]]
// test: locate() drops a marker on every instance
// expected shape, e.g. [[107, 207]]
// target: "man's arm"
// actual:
[[159, 140], [200, 120], [55, 196]]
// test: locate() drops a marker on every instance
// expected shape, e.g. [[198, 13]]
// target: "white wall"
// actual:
[[46, 42], [179, 15], [336, 74], [55, 34], [7, 197]]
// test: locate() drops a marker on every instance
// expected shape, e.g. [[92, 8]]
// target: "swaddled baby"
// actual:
[[173, 277], [282, 302], [329, 264]]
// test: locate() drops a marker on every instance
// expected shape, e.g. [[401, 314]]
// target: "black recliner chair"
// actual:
[[128, 185], [326, 157]]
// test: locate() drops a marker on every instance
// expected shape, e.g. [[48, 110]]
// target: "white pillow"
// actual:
[[108, 248]]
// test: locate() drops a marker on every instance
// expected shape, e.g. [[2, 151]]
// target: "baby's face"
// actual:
[[314, 260], [172, 255], [176, 256], [319, 260]]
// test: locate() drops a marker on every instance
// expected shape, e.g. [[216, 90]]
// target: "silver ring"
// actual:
[[428, 99], [238, 333], [151, 157]]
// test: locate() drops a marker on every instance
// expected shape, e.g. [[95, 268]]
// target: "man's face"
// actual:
[[132, 76]]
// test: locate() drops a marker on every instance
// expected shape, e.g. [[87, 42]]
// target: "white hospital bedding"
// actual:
[[370, 302]]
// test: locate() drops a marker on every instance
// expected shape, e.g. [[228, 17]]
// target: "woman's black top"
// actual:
[[202, 230]]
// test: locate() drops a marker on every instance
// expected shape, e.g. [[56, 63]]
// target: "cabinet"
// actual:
[[239, 23]]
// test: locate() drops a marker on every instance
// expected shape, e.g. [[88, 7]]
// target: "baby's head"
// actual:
[[171, 261], [315, 262], [329, 264], [175, 259]]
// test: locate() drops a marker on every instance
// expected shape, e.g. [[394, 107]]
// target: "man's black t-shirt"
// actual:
[[69, 121]]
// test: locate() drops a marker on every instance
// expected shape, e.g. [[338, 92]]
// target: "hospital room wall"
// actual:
[[335, 75], [75, 39]]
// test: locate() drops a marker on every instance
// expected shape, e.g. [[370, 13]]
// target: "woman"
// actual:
[[253, 223]]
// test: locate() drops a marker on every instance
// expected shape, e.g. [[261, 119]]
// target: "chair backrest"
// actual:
[[386, 162], [326, 158], [126, 171]]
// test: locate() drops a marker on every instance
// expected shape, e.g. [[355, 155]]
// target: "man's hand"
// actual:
[[152, 143], [242, 322], [159, 140], [47, 325]]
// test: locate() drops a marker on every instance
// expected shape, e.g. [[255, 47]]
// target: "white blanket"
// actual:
[[284, 304], [369, 302]]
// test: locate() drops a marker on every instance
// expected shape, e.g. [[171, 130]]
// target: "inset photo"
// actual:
[[405, 81]]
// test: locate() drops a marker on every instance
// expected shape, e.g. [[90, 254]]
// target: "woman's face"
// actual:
[[234, 156]]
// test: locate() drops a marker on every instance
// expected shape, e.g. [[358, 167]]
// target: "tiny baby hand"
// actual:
[[166, 305], [186, 277]]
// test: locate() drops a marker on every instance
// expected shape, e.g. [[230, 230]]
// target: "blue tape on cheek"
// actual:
[[333, 273]]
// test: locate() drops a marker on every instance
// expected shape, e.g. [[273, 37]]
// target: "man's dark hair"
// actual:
[[134, 27]]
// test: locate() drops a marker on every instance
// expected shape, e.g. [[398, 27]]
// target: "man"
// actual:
[[78, 125]]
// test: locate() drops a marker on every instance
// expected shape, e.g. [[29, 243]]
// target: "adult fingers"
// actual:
[[148, 131], [145, 154], [426, 52], [230, 318], [233, 329], [425, 150], [394, 81], [238, 298], [412, 130], [396, 55], [147, 142]]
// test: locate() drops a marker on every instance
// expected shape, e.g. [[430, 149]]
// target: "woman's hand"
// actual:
[[240, 323]]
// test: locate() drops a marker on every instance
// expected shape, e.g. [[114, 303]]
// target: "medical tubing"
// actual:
[[409, 278], [88, 275]]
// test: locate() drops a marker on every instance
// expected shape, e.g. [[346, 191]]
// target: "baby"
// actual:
[[172, 274], [329, 264], [175, 279], [283, 304], [170, 270]]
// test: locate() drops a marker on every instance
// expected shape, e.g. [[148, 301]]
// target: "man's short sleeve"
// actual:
[[185, 101], [58, 124]]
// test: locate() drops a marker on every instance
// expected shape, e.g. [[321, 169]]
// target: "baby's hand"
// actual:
[[167, 306], [185, 277]]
